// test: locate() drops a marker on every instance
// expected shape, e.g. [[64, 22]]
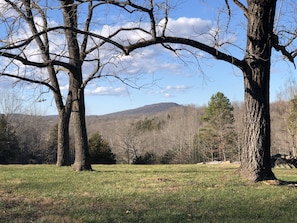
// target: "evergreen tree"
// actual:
[[219, 110], [9, 149], [216, 140], [100, 151], [168, 157], [50, 153]]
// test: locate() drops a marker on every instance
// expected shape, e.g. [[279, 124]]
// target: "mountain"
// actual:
[[146, 110]]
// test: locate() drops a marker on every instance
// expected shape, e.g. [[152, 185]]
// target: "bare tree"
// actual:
[[261, 38], [129, 140], [57, 52], [10, 102], [15, 47]]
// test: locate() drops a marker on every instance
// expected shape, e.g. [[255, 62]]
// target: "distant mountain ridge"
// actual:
[[146, 110]]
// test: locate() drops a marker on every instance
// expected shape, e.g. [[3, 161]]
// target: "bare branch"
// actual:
[[42, 13], [45, 83], [86, 29], [189, 42], [165, 18], [242, 7], [95, 74], [30, 21], [229, 12], [148, 11], [278, 47], [32, 63]]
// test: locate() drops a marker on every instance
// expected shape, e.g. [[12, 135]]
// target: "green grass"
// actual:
[[126, 193]]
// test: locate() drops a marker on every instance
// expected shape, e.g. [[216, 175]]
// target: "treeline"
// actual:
[[184, 134], [24, 140], [189, 134]]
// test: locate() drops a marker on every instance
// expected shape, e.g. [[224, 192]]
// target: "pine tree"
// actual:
[[215, 141], [9, 149], [219, 111], [100, 151]]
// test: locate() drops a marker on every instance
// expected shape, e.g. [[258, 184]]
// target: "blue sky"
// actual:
[[190, 85], [165, 78]]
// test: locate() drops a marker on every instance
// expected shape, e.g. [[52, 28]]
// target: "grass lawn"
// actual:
[[132, 193]]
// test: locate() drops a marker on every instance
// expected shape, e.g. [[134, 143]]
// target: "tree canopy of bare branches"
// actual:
[[264, 33]]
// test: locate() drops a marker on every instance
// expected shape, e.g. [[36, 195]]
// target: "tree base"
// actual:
[[82, 167], [62, 164], [257, 175]]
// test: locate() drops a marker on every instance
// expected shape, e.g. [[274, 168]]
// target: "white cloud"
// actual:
[[177, 87], [195, 28], [171, 90], [64, 87], [103, 91], [156, 58], [167, 95]]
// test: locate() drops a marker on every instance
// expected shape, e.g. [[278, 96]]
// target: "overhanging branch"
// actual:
[[33, 63], [242, 7], [29, 80], [188, 42], [282, 49]]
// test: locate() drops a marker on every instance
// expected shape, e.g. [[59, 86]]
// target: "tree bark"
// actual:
[[63, 152], [255, 157], [82, 161]]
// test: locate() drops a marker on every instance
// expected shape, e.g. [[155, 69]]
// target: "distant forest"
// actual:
[[160, 133]]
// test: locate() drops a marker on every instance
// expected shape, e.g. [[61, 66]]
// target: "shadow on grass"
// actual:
[[281, 183], [288, 183]]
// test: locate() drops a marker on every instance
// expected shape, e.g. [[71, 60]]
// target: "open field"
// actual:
[[158, 193]]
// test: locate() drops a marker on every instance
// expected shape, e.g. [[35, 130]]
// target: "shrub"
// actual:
[[100, 151], [168, 157], [147, 158]]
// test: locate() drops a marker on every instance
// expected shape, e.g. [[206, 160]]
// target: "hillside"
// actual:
[[158, 128], [145, 110]]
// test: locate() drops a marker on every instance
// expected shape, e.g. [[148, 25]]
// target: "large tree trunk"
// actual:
[[255, 158], [63, 152], [82, 160]]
